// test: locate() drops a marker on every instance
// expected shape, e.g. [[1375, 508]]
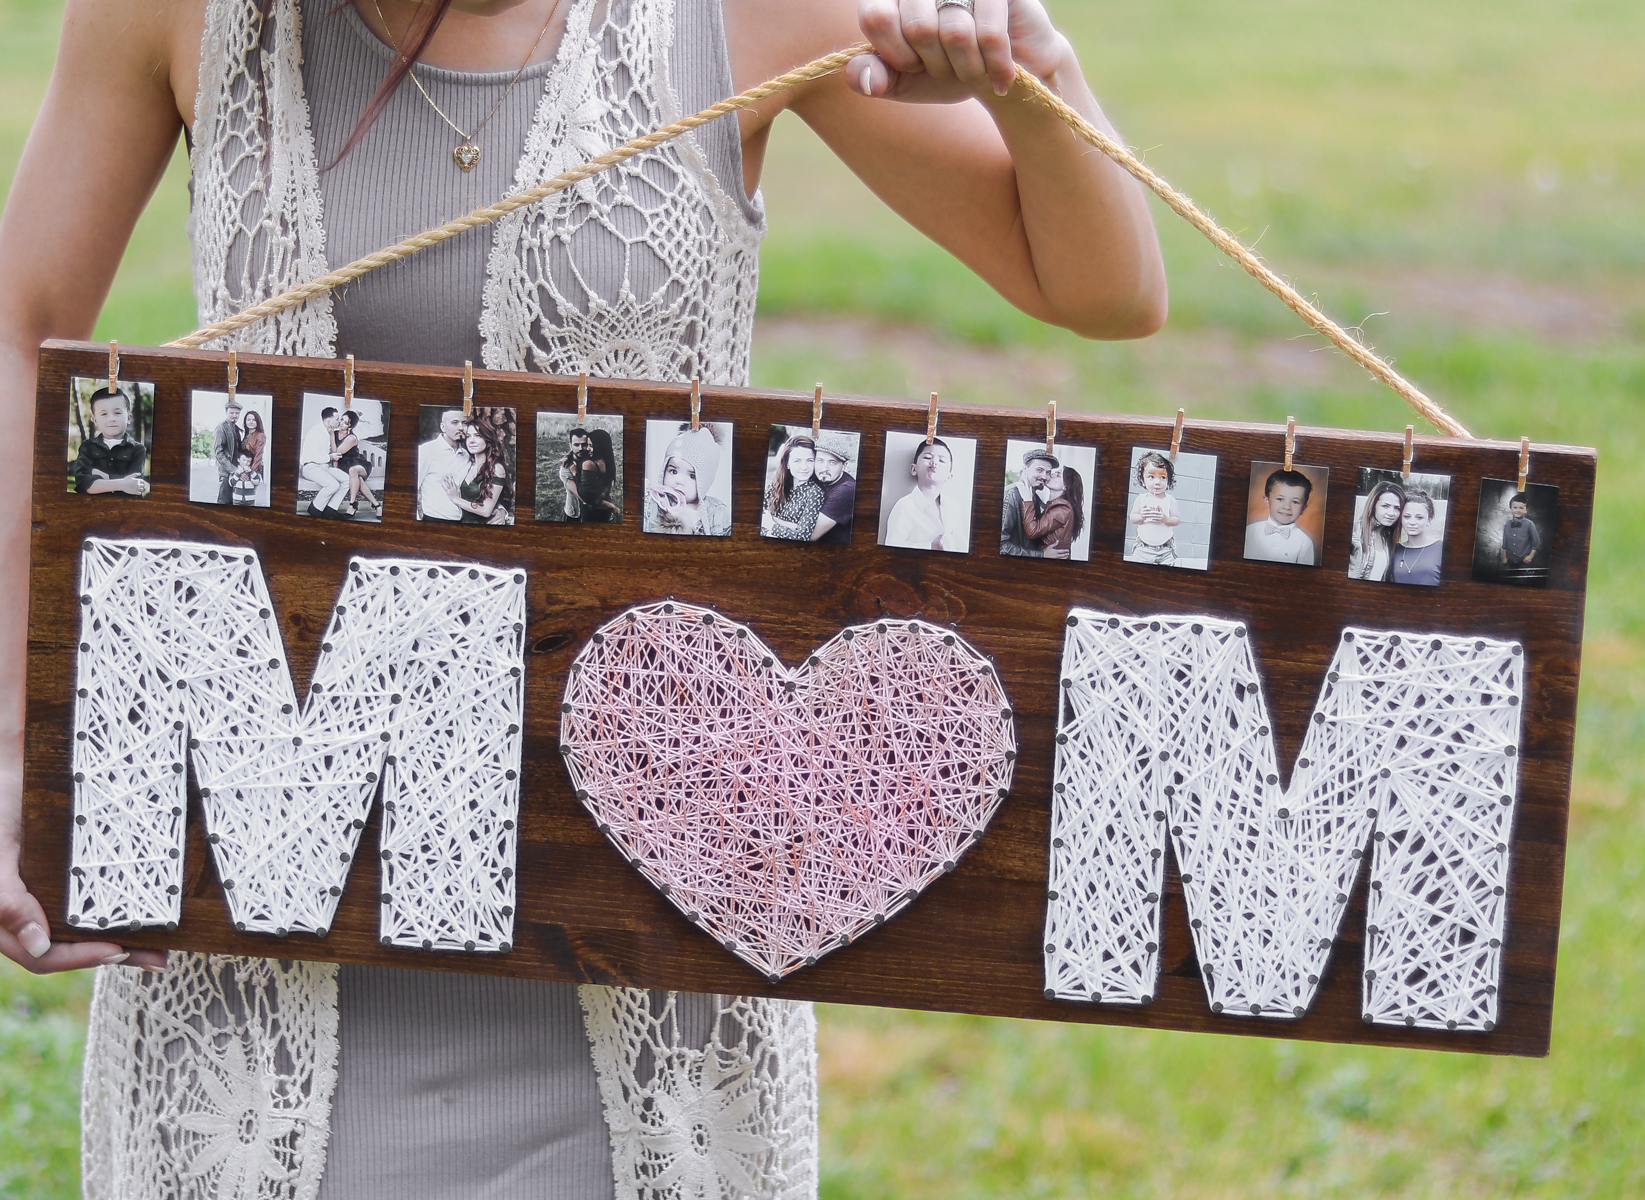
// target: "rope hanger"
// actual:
[[1036, 91]]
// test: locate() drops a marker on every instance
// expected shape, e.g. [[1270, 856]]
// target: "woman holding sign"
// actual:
[[320, 131]]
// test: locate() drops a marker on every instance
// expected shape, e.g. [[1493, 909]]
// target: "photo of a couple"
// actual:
[[229, 448], [1048, 500], [579, 468], [1399, 527], [810, 485], [108, 437], [343, 458], [465, 464]]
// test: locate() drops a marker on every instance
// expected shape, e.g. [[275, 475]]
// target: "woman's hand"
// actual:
[[24, 931], [939, 55], [449, 482]]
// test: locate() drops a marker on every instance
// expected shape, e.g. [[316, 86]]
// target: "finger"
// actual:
[[993, 20], [22, 918], [881, 23], [958, 32], [924, 34]]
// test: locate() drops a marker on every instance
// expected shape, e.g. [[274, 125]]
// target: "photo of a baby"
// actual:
[[1285, 513], [688, 478], [1168, 522]]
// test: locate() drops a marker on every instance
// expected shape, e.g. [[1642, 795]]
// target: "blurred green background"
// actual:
[[1463, 180]]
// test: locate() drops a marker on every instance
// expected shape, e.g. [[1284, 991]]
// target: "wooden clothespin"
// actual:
[[696, 402], [1176, 433], [1410, 452], [931, 421], [582, 397], [233, 372], [468, 388], [1050, 426], [816, 413], [114, 366], [1524, 462], [1290, 440], [348, 382]]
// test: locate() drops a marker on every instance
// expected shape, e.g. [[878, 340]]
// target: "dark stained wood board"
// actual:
[[972, 942]]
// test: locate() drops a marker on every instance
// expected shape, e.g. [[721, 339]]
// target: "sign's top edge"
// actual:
[[1066, 418]]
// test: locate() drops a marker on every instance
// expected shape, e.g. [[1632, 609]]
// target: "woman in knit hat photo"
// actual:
[[688, 478]]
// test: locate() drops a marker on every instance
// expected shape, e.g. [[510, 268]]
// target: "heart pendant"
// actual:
[[785, 812], [467, 155]]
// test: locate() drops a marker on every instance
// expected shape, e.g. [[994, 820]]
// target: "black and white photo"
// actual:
[[465, 464], [109, 437], [1398, 531], [229, 448], [1049, 497], [1285, 513], [810, 492], [1514, 535], [688, 478], [1168, 514], [580, 468], [925, 499]]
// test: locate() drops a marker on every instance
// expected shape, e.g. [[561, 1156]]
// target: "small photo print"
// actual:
[[1168, 519], [1515, 532], [925, 500], [229, 448], [1285, 513], [465, 464], [810, 485], [1048, 500], [342, 458], [1399, 527], [109, 434], [688, 478], [580, 468]]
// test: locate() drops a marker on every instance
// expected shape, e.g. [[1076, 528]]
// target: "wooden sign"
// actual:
[[1192, 545]]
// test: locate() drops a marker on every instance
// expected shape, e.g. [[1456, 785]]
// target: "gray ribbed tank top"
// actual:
[[401, 179], [457, 1085]]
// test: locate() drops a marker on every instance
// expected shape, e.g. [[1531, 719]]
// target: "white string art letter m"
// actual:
[[1411, 751], [418, 690]]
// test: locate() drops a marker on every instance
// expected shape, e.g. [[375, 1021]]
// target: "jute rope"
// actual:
[[1037, 92]]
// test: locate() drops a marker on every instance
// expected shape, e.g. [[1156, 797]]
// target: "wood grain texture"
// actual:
[[971, 943]]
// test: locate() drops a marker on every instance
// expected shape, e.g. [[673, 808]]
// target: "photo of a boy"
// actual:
[[1285, 513], [1520, 540], [1513, 537], [110, 458]]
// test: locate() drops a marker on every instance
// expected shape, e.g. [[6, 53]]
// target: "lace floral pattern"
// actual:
[[735, 1117], [213, 1081], [684, 305]]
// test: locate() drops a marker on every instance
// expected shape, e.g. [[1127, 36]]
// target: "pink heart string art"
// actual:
[[785, 811]]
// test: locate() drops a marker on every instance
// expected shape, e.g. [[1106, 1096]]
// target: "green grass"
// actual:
[[1493, 147]]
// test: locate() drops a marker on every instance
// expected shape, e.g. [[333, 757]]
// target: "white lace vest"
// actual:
[[213, 1081]]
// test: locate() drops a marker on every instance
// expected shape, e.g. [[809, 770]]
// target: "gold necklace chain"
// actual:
[[466, 154]]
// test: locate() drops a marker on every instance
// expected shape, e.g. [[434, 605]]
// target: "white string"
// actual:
[[785, 811], [419, 679], [1413, 745]]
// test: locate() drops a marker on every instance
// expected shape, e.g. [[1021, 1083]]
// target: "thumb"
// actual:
[[23, 918]]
